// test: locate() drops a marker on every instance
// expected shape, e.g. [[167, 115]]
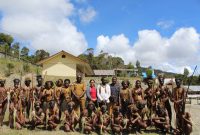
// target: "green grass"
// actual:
[[18, 66]]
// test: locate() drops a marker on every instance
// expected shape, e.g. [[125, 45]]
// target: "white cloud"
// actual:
[[165, 24], [45, 24], [117, 46], [87, 15], [170, 54]]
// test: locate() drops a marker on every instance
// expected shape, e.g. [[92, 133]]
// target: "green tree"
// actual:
[[149, 72], [24, 52], [40, 55], [138, 67], [90, 56], [185, 76], [15, 48], [5, 42], [186, 72], [130, 66], [117, 62]]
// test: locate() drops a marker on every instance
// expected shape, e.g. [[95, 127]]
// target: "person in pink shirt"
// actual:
[[92, 92]]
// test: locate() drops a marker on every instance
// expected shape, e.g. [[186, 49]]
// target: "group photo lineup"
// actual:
[[99, 67]]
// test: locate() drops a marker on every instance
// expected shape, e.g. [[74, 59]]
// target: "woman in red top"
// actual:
[[92, 92]]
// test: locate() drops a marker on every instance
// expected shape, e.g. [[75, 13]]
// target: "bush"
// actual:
[[10, 67], [26, 68]]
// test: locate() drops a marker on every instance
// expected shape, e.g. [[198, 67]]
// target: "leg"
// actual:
[[82, 103], [66, 127], [77, 107], [18, 126], [87, 129]]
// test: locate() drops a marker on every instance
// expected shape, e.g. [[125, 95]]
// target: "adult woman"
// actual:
[[92, 92]]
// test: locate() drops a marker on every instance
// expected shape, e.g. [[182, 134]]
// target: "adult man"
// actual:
[[178, 96], [103, 92], [78, 93], [114, 98], [3, 100]]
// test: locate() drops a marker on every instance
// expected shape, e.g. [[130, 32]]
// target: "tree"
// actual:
[[137, 64], [90, 55], [149, 72], [15, 48], [130, 65], [186, 72], [138, 67], [24, 52], [117, 62], [5, 42], [185, 75], [40, 55]]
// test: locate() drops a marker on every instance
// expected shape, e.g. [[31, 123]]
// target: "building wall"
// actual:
[[59, 66]]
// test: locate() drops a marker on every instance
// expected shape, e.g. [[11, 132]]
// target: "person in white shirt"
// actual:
[[103, 92]]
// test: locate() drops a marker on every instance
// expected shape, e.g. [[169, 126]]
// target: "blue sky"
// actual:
[[164, 34], [130, 16]]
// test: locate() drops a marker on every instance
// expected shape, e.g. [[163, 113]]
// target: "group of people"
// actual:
[[104, 108]]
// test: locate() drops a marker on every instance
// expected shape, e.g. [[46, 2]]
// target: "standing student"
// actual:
[[91, 92], [78, 94], [115, 97], [103, 92]]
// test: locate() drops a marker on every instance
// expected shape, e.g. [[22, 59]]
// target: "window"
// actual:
[[63, 56]]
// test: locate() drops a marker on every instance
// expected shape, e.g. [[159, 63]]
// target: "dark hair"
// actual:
[[138, 81], [16, 81], [114, 77], [126, 81], [102, 78], [67, 80], [59, 80], [39, 76], [92, 80], [48, 82]]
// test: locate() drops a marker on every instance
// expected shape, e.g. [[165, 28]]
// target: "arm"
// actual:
[[108, 92], [187, 120], [84, 90], [98, 94], [130, 96], [88, 93]]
